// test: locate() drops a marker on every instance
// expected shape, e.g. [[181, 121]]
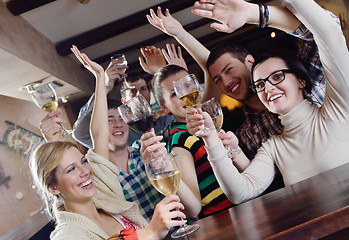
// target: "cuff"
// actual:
[[217, 152]]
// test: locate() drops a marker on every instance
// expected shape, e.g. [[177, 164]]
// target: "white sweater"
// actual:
[[314, 139]]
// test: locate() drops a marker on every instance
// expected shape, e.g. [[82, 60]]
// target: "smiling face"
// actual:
[[283, 97], [73, 178], [232, 75], [172, 102], [118, 129]]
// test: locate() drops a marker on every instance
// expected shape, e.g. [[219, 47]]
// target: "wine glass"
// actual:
[[187, 89], [45, 97], [121, 58], [164, 175], [137, 113], [213, 108]]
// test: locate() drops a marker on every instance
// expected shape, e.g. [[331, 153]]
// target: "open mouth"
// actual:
[[86, 183], [234, 87], [118, 133], [274, 97]]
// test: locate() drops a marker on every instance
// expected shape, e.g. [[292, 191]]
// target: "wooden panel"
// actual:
[[28, 228], [17, 7]]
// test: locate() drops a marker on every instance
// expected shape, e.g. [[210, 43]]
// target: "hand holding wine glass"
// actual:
[[213, 108], [45, 97], [164, 175], [121, 62]]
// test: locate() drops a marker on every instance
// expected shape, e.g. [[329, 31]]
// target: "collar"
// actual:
[[297, 116]]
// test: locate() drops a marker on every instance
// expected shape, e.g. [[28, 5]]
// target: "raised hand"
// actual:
[[113, 73], [151, 147], [93, 67], [174, 57], [153, 59], [232, 14], [50, 126], [165, 23]]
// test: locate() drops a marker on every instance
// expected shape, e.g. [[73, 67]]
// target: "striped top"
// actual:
[[212, 197]]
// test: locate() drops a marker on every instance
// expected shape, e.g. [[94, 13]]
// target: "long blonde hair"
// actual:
[[43, 164]]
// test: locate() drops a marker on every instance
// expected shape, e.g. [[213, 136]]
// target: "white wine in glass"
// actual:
[[45, 97], [213, 108], [187, 89], [164, 175]]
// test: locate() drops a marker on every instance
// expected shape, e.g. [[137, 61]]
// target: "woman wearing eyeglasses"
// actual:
[[314, 139]]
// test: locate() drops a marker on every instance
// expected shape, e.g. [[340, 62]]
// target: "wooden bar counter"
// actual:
[[316, 208]]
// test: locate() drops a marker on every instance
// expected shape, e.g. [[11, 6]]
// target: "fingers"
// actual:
[[160, 13], [221, 27], [50, 126], [154, 150], [202, 13], [167, 13], [208, 5], [166, 56], [179, 51], [54, 113], [151, 147], [142, 63]]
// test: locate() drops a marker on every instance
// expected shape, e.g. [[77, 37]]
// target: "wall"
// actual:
[[17, 209]]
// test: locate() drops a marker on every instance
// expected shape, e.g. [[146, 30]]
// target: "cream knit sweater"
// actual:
[[109, 197]]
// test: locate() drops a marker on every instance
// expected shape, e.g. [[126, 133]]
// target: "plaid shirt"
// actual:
[[136, 185], [258, 127]]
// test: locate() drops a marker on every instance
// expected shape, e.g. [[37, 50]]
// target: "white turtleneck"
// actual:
[[314, 139]]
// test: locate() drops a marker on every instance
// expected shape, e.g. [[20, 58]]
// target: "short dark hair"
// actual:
[[134, 77], [238, 51], [292, 63], [162, 74], [113, 104]]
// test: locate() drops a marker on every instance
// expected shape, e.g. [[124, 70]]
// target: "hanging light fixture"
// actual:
[[83, 1]]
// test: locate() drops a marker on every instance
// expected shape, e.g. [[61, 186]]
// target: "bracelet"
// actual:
[[233, 153], [129, 233], [263, 15]]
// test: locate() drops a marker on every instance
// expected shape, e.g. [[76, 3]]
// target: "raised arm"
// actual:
[[81, 127], [333, 54], [99, 120], [199, 52], [233, 14]]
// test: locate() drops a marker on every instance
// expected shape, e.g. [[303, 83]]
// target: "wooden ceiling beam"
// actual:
[[17, 7], [117, 27], [151, 41]]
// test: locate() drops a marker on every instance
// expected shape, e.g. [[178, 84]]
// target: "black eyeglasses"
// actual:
[[274, 79]]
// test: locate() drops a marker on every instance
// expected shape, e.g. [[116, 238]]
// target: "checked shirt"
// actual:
[[136, 185]]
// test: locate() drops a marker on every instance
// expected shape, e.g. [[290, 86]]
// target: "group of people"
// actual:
[[296, 124]]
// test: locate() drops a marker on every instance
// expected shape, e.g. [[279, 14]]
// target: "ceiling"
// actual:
[[101, 28]]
